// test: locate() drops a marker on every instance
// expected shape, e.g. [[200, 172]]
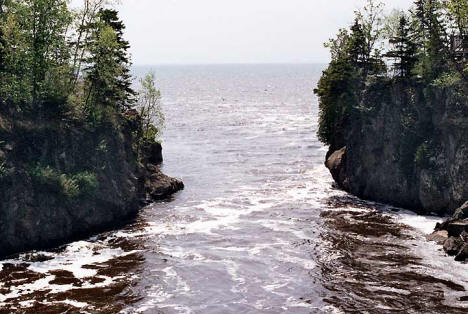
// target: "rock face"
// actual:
[[337, 165], [35, 212], [384, 161], [456, 229]]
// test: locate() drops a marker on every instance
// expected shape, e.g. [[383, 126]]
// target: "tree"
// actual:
[[457, 11], [358, 48], [355, 56], [404, 49], [368, 30], [457, 17], [80, 43], [338, 45], [148, 106], [432, 39], [15, 90], [35, 53], [124, 80], [47, 22], [109, 81], [336, 90]]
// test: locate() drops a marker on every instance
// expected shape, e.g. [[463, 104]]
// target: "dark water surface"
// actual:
[[259, 227]]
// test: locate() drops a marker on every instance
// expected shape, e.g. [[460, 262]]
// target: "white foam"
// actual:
[[422, 223], [75, 256], [72, 259], [74, 303]]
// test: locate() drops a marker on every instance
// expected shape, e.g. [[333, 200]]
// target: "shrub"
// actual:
[[83, 184], [46, 176], [88, 183], [149, 107], [423, 155], [69, 187], [3, 169], [447, 80]]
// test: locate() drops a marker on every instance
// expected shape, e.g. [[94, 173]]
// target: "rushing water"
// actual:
[[258, 229]]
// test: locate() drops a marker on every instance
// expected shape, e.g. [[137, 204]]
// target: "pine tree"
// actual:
[[431, 39], [357, 46], [109, 70], [124, 81], [360, 53], [420, 11], [404, 49]]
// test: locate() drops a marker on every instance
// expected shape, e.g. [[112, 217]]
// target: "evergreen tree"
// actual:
[[360, 54], [432, 39], [124, 81], [109, 65], [357, 47], [420, 12], [404, 49]]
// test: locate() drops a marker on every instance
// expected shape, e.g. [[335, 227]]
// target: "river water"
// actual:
[[258, 229]]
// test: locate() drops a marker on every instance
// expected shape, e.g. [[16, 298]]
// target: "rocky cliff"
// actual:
[[405, 145], [64, 180], [453, 234]]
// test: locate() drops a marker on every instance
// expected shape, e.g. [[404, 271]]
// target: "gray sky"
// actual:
[[235, 31]]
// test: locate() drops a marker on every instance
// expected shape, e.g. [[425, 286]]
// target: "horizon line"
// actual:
[[232, 63]]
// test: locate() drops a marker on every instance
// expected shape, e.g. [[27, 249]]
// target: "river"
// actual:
[[260, 228]]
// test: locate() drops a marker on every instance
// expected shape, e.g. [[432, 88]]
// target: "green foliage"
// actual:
[[57, 62], [87, 182], [423, 154], [50, 178], [404, 49], [431, 31], [102, 147], [3, 169], [109, 82], [149, 108], [35, 53], [447, 80], [355, 57], [83, 184], [335, 90], [69, 186], [417, 47], [410, 140]]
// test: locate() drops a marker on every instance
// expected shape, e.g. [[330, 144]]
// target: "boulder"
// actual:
[[461, 213], [453, 245], [456, 228], [153, 153], [438, 236], [457, 223], [462, 253], [336, 163], [158, 186], [464, 236]]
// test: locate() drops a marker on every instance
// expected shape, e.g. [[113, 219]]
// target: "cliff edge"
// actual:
[[407, 147], [62, 180]]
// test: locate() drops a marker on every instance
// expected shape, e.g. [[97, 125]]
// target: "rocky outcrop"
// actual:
[[455, 230], [406, 146], [336, 163], [61, 181]]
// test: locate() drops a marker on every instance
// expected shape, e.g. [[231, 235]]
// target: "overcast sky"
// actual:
[[235, 31]]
